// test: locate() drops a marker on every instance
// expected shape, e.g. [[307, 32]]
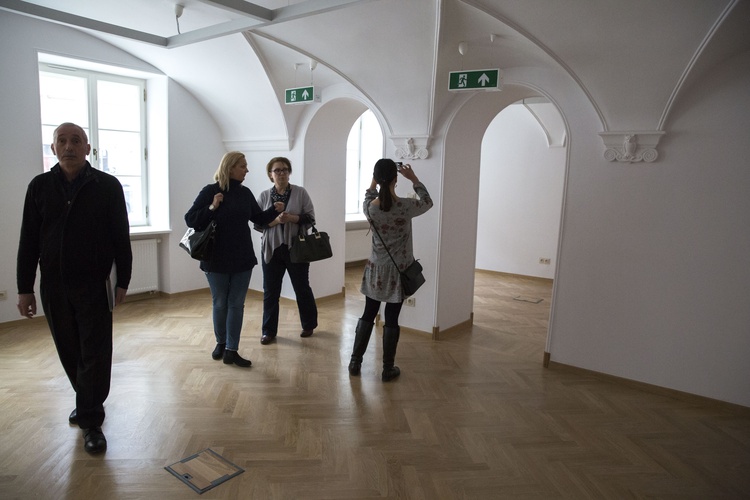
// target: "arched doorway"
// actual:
[[464, 134]]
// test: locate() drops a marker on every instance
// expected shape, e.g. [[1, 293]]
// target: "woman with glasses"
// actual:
[[276, 241], [231, 205]]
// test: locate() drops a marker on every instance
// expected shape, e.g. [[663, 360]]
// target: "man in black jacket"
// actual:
[[75, 226]]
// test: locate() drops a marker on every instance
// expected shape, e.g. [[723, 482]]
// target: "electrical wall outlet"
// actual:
[[545, 260], [410, 301], [3, 294]]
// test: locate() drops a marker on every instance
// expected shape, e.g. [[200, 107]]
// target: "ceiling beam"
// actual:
[[242, 7], [283, 14], [61, 17], [254, 16]]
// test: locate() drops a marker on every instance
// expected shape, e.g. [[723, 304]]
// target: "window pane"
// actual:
[[364, 147], [352, 169], [119, 106], [120, 152], [372, 149], [133, 199], [63, 99]]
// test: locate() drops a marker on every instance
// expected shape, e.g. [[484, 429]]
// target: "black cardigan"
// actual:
[[233, 250], [74, 242]]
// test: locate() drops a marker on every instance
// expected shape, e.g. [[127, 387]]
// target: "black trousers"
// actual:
[[81, 325]]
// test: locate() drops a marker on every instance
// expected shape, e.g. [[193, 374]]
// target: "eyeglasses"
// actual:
[[279, 171]]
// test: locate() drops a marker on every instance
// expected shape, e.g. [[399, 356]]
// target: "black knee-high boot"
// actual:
[[362, 338], [390, 342]]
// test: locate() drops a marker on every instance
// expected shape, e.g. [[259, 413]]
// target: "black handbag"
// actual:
[[200, 244], [310, 247], [411, 277]]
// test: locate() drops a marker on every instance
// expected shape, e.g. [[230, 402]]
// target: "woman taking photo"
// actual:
[[276, 241], [381, 282], [231, 205]]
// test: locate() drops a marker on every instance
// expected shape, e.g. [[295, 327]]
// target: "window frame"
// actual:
[[140, 216]]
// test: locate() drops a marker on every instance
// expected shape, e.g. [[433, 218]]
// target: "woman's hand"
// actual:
[[407, 172], [279, 206], [285, 217], [218, 198]]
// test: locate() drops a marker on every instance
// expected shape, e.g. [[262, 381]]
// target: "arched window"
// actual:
[[363, 148]]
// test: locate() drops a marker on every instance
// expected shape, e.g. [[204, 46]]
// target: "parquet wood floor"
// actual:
[[473, 416]]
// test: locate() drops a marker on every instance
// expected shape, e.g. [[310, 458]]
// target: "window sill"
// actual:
[[148, 230], [356, 225]]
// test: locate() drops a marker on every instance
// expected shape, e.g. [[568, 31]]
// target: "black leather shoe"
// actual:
[[94, 440], [355, 368], [306, 333], [390, 373], [267, 339], [218, 351], [73, 417], [233, 357]]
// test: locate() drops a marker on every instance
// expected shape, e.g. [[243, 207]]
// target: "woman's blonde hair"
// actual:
[[228, 161]]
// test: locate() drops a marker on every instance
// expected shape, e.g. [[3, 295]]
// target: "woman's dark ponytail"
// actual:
[[385, 171]]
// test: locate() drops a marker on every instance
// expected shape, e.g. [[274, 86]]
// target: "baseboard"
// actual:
[[499, 273], [643, 386], [143, 296], [197, 291], [18, 322], [437, 334]]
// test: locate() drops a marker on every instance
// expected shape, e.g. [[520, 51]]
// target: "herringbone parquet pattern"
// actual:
[[474, 415]]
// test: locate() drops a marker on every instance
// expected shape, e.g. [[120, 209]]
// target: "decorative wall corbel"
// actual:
[[631, 147], [409, 148]]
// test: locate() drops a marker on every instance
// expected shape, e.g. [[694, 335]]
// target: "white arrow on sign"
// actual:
[[484, 79], [305, 95]]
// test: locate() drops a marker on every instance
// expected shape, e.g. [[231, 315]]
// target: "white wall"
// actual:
[[654, 279], [326, 129], [358, 245], [195, 146], [195, 150], [520, 196]]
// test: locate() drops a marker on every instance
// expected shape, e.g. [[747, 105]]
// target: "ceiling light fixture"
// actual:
[[178, 10]]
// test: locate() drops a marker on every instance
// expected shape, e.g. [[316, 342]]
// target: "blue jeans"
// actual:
[[228, 291], [273, 276]]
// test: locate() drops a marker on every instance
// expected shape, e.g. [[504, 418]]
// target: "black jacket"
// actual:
[[233, 250], [75, 241]]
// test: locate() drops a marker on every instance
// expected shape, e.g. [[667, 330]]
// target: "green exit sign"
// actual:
[[482, 79], [300, 95]]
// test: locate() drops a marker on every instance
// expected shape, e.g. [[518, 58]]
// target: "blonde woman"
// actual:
[[231, 205]]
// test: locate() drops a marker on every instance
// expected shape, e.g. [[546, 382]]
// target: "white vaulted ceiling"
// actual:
[[631, 58]]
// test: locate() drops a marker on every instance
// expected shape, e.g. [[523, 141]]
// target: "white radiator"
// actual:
[[145, 276]]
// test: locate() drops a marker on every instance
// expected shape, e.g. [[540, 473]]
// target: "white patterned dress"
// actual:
[[381, 280]]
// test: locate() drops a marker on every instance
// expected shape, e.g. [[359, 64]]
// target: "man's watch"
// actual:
[[211, 207]]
